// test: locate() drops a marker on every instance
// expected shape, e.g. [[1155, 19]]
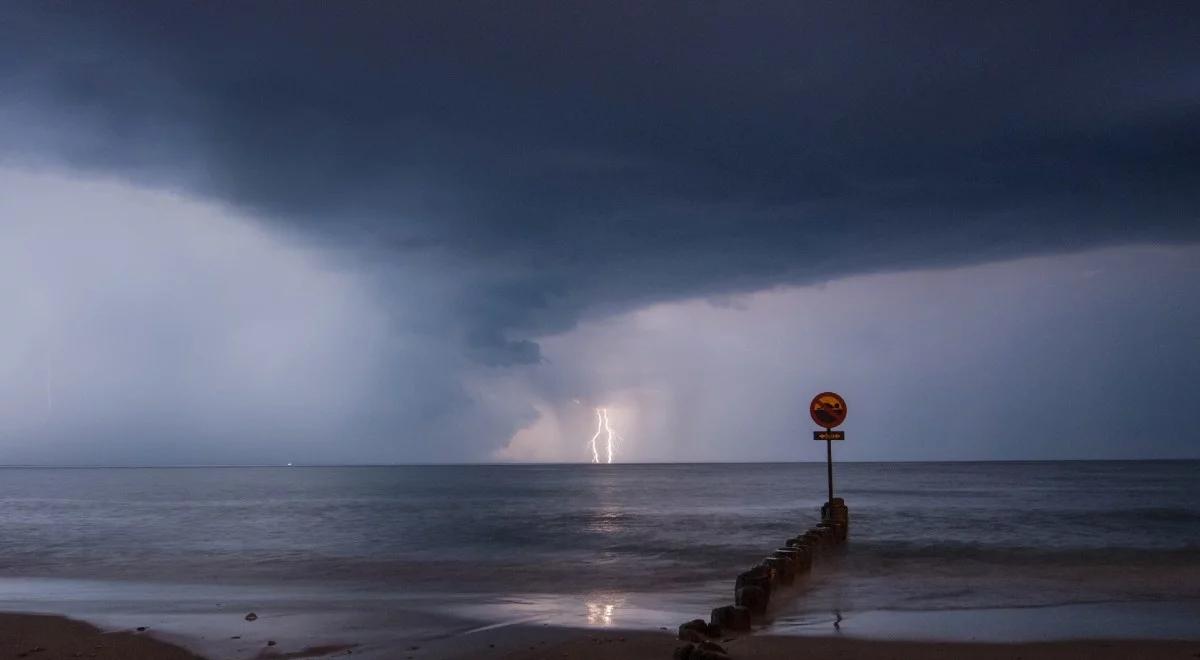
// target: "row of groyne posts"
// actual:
[[753, 589]]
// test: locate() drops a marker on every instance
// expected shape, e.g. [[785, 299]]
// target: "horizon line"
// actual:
[[563, 464]]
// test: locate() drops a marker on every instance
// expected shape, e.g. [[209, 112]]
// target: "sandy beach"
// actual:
[[609, 646], [39, 636], [612, 646], [47, 637]]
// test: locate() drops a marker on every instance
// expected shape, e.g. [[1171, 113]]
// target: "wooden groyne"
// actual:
[[753, 589]]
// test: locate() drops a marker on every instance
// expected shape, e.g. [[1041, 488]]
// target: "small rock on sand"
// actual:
[[251, 616]]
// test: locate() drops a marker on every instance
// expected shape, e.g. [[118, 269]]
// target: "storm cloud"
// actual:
[[499, 173]]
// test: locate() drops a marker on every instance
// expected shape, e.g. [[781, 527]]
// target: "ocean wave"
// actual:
[[1024, 555]]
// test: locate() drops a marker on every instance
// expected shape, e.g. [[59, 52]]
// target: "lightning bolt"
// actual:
[[599, 430], [604, 427]]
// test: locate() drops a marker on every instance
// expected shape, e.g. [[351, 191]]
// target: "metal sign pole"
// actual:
[[828, 409], [829, 459]]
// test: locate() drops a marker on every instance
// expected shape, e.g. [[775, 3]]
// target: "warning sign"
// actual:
[[828, 410]]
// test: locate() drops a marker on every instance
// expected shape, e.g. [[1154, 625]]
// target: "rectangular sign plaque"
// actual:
[[829, 435]]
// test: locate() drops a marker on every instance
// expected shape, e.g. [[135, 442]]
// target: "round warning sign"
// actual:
[[828, 410]]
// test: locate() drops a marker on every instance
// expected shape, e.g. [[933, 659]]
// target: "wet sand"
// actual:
[[615, 646], [45, 637]]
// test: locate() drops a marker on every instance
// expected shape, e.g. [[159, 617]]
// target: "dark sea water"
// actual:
[[624, 544]]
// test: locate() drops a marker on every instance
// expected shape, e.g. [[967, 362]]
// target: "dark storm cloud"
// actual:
[[563, 159]]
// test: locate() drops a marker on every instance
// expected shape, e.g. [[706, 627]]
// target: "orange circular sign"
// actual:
[[827, 410]]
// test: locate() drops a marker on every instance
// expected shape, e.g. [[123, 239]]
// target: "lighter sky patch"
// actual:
[[143, 324], [1091, 355]]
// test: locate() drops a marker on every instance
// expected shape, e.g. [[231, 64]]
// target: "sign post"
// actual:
[[829, 466], [828, 410]]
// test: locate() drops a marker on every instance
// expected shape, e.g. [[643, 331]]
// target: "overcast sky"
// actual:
[[258, 233]]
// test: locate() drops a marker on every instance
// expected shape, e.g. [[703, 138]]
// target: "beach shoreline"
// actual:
[[51, 637]]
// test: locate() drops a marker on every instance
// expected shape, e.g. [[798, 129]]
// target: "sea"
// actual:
[[992, 550]]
